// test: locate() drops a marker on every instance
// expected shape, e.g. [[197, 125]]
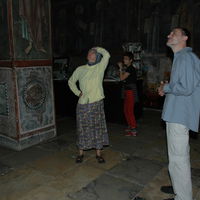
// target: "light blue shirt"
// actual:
[[182, 101]]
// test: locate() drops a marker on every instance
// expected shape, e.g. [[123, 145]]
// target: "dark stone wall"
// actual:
[[78, 25], [4, 41]]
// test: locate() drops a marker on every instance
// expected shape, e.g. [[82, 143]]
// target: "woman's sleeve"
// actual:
[[72, 83]]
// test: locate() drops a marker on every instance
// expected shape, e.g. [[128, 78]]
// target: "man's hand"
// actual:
[[120, 65], [160, 88]]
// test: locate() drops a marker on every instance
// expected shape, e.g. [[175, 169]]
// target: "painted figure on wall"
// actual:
[[4, 48], [185, 17], [81, 27], [33, 17]]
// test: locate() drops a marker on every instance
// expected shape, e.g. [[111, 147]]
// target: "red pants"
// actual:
[[129, 102]]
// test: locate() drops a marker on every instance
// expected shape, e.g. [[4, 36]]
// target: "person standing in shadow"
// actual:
[[127, 74], [181, 112], [91, 124]]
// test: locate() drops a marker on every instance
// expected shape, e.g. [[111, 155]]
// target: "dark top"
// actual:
[[130, 81]]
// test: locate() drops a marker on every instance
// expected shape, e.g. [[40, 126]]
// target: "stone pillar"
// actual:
[[26, 87]]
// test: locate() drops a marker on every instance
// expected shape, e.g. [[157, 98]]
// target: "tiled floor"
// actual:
[[135, 166]]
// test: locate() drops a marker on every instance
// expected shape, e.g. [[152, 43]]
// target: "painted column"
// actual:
[[27, 114]]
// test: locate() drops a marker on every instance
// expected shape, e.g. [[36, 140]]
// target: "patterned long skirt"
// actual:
[[91, 126]]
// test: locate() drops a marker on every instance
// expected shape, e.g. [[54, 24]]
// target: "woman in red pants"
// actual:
[[127, 74]]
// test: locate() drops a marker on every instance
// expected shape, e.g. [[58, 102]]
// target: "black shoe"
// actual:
[[139, 198], [167, 189], [100, 159], [169, 199], [79, 159]]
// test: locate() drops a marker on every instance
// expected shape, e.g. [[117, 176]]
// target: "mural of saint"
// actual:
[[4, 44], [33, 17]]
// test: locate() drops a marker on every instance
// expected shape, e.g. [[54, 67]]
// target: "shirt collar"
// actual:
[[185, 49]]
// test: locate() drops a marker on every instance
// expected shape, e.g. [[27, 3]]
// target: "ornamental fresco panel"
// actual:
[[4, 99], [7, 105], [35, 98]]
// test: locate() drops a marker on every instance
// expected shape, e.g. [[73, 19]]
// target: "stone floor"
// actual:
[[135, 166]]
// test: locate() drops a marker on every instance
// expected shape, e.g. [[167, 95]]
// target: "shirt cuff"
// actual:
[[166, 88]]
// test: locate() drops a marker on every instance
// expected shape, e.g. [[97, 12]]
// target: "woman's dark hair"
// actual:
[[129, 54]]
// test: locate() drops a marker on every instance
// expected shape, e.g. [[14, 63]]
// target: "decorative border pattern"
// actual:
[[4, 108], [34, 94]]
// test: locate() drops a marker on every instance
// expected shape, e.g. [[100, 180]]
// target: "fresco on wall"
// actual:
[[7, 105], [32, 32], [158, 69], [113, 23], [78, 26], [196, 31], [185, 15], [74, 30], [4, 44], [4, 99], [35, 97]]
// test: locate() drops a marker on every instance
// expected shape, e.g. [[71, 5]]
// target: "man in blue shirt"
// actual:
[[181, 111]]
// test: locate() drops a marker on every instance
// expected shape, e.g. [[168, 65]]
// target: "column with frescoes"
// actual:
[[26, 88]]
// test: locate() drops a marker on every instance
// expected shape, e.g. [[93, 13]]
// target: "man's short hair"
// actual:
[[129, 54], [185, 32]]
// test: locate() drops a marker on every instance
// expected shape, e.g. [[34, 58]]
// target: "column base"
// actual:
[[26, 142]]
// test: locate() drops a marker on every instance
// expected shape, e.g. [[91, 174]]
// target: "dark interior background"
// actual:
[[78, 25]]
